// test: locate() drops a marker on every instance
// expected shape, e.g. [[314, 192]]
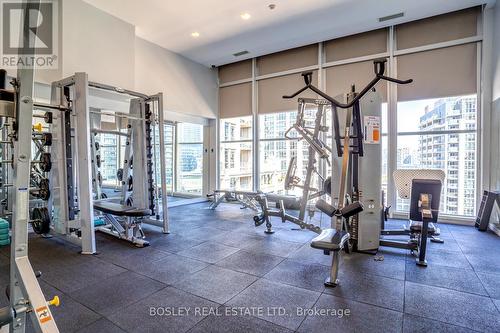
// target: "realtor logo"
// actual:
[[41, 47]]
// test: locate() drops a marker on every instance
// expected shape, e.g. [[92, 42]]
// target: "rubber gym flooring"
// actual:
[[216, 263]]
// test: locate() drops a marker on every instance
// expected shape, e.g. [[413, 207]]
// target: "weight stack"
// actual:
[[4, 232]]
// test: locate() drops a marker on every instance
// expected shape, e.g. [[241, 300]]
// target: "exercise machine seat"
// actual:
[[330, 240], [120, 210]]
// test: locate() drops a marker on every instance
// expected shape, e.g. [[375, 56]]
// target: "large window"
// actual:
[[441, 134], [189, 158], [236, 153], [109, 158], [275, 152]]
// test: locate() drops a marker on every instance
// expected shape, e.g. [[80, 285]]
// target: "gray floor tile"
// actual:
[[69, 315], [361, 318], [444, 258], [307, 276], [391, 266], [366, 288], [447, 277], [127, 256], [484, 262], [273, 246], [237, 238], [174, 243], [4, 260], [266, 294], [209, 252], [101, 326], [455, 307], [306, 254], [249, 262], [492, 284], [170, 269], [203, 233], [497, 303], [293, 233], [117, 292], [216, 284], [414, 324], [224, 322], [68, 278], [149, 315]]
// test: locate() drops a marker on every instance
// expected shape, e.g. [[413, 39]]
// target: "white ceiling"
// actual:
[[292, 23]]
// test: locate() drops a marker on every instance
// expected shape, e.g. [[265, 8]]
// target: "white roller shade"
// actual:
[[235, 101], [340, 78], [271, 92], [438, 73]]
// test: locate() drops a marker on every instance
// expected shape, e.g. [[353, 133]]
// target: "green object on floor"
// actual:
[[4, 236], [99, 222], [4, 225], [5, 242]]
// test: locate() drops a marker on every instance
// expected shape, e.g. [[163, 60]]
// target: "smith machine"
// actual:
[[76, 161]]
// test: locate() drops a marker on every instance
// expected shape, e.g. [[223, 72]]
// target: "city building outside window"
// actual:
[[420, 145], [189, 158], [236, 151]]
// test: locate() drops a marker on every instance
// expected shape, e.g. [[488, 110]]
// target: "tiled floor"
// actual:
[[216, 272]]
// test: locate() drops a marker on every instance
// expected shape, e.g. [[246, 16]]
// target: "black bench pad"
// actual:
[[120, 210]]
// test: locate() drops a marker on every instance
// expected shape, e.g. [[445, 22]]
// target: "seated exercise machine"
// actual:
[[245, 198], [423, 188], [16, 109], [349, 145]]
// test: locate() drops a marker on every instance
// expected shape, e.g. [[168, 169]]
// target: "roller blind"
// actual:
[[289, 59], [442, 28], [368, 43], [438, 73], [271, 92], [340, 78], [235, 71], [235, 101]]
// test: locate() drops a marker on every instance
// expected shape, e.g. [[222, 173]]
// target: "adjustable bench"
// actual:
[[128, 226]]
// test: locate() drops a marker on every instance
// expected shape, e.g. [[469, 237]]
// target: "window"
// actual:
[[420, 145], [236, 153], [109, 158], [276, 151], [189, 158]]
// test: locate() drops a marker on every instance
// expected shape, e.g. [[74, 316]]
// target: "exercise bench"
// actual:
[[124, 222]]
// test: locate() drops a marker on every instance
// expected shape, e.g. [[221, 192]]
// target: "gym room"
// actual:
[[249, 166]]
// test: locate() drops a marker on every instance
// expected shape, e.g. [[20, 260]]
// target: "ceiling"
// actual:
[[292, 23]]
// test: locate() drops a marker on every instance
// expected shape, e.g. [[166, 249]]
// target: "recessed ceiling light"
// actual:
[[195, 34], [245, 16]]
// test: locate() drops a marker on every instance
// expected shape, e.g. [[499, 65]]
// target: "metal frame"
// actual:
[[25, 293]]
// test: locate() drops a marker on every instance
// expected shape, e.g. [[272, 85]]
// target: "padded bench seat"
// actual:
[[330, 240], [120, 210]]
